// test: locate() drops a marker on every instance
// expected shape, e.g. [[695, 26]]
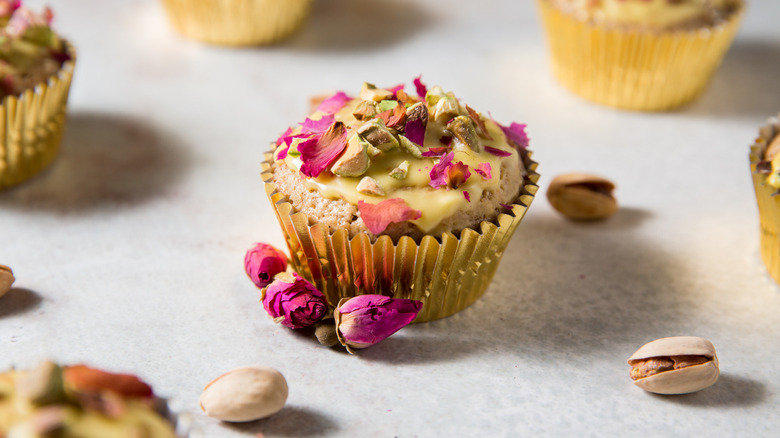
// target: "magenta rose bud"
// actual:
[[365, 320], [262, 262], [294, 302]]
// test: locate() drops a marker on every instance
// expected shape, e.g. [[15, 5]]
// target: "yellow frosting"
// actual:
[[434, 204], [647, 13]]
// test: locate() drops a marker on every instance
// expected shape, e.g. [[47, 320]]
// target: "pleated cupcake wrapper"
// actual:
[[237, 22], [31, 126], [447, 274], [768, 205], [649, 71]]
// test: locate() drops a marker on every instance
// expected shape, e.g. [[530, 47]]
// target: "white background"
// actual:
[[128, 251]]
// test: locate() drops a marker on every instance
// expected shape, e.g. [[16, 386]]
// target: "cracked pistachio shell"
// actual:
[[245, 394], [6, 279], [582, 196], [683, 380]]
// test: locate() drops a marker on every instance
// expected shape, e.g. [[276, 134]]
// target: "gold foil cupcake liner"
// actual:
[[447, 274], [768, 203], [631, 69], [237, 22], [31, 126]]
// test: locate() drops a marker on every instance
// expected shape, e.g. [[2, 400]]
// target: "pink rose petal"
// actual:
[[446, 140], [435, 152], [378, 216], [516, 133], [295, 305], [422, 90], [262, 262], [395, 90], [484, 170], [281, 138], [319, 152], [366, 320], [438, 172], [334, 103], [457, 174], [317, 126], [467, 196], [497, 152]]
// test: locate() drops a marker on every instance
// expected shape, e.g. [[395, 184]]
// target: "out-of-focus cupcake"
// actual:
[[639, 54], [79, 401], [237, 22], [406, 196], [36, 68], [765, 167]]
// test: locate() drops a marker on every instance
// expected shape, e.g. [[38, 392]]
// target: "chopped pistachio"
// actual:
[[378, 135], [462, 128], [354, 160], [401, 171], [433, 95], [371, 92], [366, 110], [410, 147], [369, 186], [446, 108], [387, 105], [43, 385], [373, 152]]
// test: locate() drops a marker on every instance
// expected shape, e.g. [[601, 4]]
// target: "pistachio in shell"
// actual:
[[582, 196], [675, 365], [6, 279]]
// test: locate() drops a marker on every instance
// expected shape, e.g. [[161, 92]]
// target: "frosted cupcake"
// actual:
[[36, 67], [406, 196], [237, 22], [765, 167], [639, 54], [79, 401]]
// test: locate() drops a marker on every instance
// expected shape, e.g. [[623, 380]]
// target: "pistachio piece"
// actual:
[[582, 196], [387, 105], [433, 96], [354, 160], [371, 92], [6, 279], [245, 394], [366, 110], [401, 171], [372, 151], [463, 129], [369, 186], [772, 150], [376, 133], [675, 365], [446, 108], [43, 385], [410, 147]]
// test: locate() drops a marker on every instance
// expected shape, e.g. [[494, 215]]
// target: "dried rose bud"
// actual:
[[262, 262], [293, 301], [366, 320]]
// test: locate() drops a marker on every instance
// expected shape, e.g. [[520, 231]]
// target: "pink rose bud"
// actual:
[[365, 320], [262, 262], [293, 301]]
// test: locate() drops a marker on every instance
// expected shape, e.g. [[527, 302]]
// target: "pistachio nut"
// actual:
[[245, 394], [582, 196], [6, 279], [675, 365]]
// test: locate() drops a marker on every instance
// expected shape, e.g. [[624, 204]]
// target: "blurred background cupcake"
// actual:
[[36, 68], [765, 166], [638, 54], [237, 22]]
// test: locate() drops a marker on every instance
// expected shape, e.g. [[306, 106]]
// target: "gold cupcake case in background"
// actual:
[[31, 126], [237, 22], [636, 70], [447, 274], [768, 203]]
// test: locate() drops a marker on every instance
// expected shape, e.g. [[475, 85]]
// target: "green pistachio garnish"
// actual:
[[369, 186], [371, 92], [433, 95], [401, 171], [43, 385], [372, 151], [378, 135], [354, 160], [387, 105], [366, 110], [446, 108], [462, 128], [410, 147]]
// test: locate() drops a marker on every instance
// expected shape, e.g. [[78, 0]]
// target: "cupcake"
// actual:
[[36, 67], [765, 166], [639, 54], [79, 401], [406, 196], [237, 22]]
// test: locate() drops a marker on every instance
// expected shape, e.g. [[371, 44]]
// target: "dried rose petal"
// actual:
[[404, 98], [262, 262], [484, 170], [446, 140], [422, 90], [457, 174], [438, 172], [497, 152], [395, 90], [515, 133], [94, 381], [366, 320], [7, 7], [334, 103], [378, 216], [467, 196], [282, 137], [294, 302], [479, 122], [319, 152], [310, 126], [394, 117], [435, 152]]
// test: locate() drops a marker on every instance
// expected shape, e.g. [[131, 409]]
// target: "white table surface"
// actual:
[[128, 251]]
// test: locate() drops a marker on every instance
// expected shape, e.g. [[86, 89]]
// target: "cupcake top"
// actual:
[[78, 401], [427, 161], [30, 52], [651, 14]]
